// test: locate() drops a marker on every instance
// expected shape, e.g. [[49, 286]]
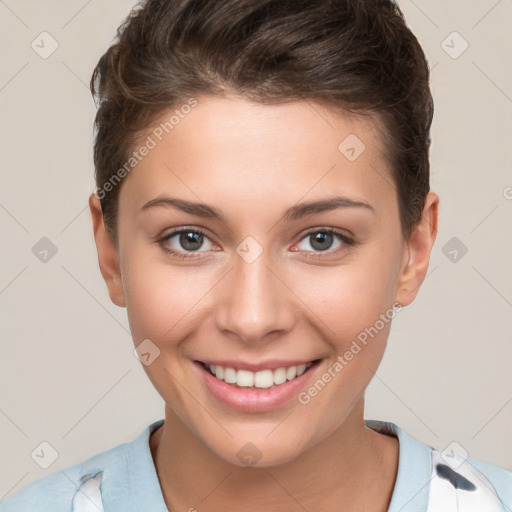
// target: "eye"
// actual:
[[322, 239], [185, 242]]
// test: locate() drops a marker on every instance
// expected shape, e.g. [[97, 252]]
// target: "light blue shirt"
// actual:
[[124, 479]]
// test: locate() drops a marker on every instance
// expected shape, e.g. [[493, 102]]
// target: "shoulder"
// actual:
[[469, 482], [500, 477], [67, 489], [431, 480]]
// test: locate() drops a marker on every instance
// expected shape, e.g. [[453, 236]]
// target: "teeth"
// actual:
[[229, 375], [291, 372], [279, 376], [244, 378], [263, 379]]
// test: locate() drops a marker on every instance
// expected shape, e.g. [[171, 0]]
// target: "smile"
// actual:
[[262, 379], [256, 387]]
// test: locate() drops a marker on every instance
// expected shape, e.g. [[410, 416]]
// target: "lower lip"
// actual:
[[254, 399]]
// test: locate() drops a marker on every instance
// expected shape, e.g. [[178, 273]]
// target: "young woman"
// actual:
[[263, 211]]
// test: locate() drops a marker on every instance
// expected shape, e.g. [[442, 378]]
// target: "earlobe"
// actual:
[[108, 257], [417, 253]]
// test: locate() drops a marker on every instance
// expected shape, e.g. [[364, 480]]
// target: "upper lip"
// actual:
[[272, 364]]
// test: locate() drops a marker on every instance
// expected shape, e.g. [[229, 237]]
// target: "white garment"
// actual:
[[88, 496], [457, 486]]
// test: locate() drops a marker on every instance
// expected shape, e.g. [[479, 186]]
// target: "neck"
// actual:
[[354, 466]]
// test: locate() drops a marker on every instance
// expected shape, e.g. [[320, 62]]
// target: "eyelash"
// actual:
[[181, 255], [347, 241]]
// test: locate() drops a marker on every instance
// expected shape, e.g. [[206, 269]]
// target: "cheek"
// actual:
[[354, 303], [351, 297], [160, 297]]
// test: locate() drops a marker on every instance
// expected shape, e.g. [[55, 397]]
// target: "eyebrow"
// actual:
[[294, 213]]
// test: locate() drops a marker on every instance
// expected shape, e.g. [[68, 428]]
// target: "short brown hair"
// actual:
[[357, 55]]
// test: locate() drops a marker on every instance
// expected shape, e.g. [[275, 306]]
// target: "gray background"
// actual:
[[68, 374]]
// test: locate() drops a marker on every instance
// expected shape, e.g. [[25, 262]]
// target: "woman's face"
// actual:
[[290, 253]]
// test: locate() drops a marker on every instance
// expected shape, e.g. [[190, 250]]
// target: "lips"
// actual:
[[252, 391]]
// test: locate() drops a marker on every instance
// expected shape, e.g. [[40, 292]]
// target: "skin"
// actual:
[[294, 301]]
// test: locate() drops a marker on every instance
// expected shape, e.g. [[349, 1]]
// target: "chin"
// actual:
[[258, 453]]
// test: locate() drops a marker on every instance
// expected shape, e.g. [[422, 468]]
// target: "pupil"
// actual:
[[194, 239], [323, 238]]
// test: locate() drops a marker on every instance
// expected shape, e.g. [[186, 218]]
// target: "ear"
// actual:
[[417, 252], [108, 257]]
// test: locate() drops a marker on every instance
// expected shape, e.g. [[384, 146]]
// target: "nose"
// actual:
[[254, 302]]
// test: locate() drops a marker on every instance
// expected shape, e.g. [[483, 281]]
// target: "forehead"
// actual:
[[232, 150]]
